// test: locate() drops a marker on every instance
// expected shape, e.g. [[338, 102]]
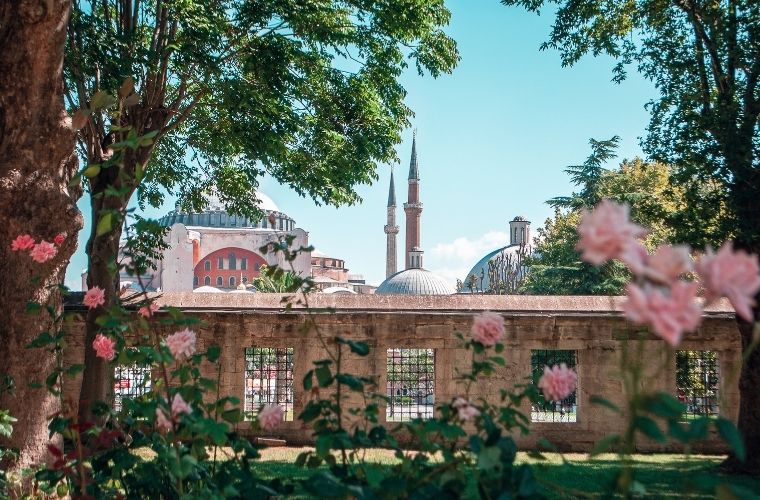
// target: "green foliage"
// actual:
[[218, 93], [556, 267]]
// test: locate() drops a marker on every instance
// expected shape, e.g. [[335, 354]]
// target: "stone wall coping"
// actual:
[[464, 303]]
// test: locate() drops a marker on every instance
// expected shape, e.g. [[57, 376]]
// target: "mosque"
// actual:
[[414, 279], [500, 265]]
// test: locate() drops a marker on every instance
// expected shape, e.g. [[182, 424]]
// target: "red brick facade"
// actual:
[[244, 268]]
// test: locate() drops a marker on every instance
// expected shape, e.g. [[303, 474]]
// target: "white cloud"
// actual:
[[453, 260], [463, 249]]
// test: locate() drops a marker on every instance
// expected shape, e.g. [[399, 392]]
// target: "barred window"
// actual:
[[410, 384], [697, 382], [268, 379], [130, 382], [552, 411]]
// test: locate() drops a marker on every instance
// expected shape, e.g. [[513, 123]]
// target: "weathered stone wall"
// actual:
[[592, 326]]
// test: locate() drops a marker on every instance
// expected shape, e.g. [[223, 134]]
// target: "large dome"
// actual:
[[414, 282], [215, 215], [492, 262]]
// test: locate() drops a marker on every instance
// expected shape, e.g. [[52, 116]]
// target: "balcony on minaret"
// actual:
[[414, 206], [415, 258]]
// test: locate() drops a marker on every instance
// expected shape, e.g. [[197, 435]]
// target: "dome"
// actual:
[[481, 270], [215, 215], [207, 289], [415, 282], [339, 290]]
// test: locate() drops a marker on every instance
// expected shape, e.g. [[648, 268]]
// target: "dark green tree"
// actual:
[[183, 96], [704, 59]]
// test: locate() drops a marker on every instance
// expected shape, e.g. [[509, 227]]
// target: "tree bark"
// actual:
[[37, 162], [745, 196]]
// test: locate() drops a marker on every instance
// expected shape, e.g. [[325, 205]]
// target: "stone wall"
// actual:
[[592, 326]]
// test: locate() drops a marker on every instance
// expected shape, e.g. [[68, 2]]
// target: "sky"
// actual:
[[493, 139]]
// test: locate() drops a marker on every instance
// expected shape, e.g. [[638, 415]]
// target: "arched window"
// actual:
[[245, 279], [219, 281], [515, 235], [207, 265], [232, 281], [219, 263], [243, 263], [522, 231], [195, 280], [207, 280], [257, 266], [233, 260]]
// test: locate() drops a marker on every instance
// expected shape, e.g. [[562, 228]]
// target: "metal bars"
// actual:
[[697, 382], [268, 379], [552, 411], [129, 382], [410, 384]]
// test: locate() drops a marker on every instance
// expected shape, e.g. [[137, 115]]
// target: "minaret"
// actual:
[[413, 210], [391, 230]]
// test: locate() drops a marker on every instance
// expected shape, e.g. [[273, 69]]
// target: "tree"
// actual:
[[704, 59], [217, 93], [37, 162], [556, 267]]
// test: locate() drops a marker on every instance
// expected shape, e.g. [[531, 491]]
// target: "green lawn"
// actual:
[[664, 476]]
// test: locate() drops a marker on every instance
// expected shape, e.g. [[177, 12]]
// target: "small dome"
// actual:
[[415, 282], [339, 290], [207, 289], [481, 269]]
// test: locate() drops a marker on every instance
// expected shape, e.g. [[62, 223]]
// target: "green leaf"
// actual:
[[489, 457], [324, 376], [649, 428], [91, 171], [102, 99], [308, 380], [360, 348], [32, 307], [605, 444], [351, 381], [104, 224], [598, 400], [213, 353], [732, 436]]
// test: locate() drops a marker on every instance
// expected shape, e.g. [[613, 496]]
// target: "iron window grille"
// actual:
[[552, 411], [697, 383], [410, 384], [130, 382], [268, 379]]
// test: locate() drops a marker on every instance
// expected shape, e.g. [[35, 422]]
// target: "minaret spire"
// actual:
[[391, 231], [413, 210]]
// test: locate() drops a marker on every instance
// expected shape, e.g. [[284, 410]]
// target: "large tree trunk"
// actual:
[[37, 161], [745, 198]]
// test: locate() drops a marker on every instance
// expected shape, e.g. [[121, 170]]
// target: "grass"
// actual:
[[571, 475], [663, 475]]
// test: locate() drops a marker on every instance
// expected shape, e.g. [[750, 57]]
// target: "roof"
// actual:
[[482, 266], [338, 289], [415, 282], [414, 169], [392, 193]]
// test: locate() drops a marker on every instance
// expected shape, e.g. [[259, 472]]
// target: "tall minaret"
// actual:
[[413, 209], [391, 230]]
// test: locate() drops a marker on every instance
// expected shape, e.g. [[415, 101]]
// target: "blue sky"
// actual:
[[493, 139]]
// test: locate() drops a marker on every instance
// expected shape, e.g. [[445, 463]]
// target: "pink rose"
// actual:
[[104, 347], [94, 297], [270, 416], [606, 233], [465, 411], [669, 315], [162, 422], [43, 252], [488, 328], [147, 311], [22, 242], [667, 263], [59, 239], [558, 382], [181, 344], [179, 406], [735, 275]]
